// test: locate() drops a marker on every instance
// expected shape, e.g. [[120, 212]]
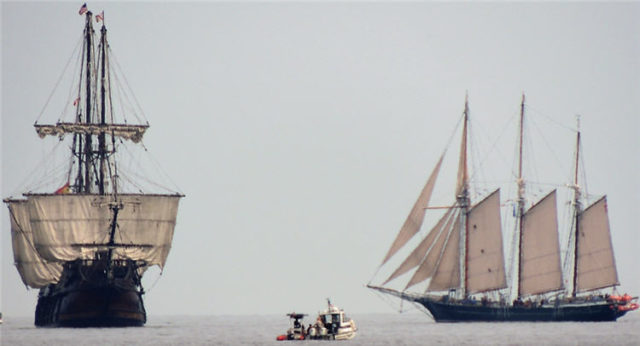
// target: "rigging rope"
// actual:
[[493, 147], [140, 172], [551, 119], [41, 164], [59, 79], [154, 282], [122, 98], [115, 59], [71, 88], [157, 163]]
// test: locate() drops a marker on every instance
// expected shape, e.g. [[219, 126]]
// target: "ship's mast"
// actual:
[[521, 191], [88, 145], [114, 205], [577, 211], [84, 150], [95, 168], [102, 150], [93, 162], [463, 201]]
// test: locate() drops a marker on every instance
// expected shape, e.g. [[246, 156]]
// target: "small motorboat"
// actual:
[[297, 332], [331, 324]]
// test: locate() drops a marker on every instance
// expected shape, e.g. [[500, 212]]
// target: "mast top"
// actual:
[[462, 185]]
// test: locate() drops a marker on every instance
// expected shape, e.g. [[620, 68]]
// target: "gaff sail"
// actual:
[[485, 259], [540, 250], [596, 265]]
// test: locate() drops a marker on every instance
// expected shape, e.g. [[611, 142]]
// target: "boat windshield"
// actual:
[[331, 318]]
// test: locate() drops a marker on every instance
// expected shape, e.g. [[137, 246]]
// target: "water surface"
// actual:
[[413, 328]]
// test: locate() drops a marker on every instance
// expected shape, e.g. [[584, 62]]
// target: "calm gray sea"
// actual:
[[412, 328]]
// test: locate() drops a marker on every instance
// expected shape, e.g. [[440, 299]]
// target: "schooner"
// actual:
[[462, 257]]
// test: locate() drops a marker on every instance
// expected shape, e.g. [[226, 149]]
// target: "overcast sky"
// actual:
[[302, 133]]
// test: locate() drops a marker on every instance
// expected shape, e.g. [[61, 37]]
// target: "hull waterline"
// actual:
[[578, 312]]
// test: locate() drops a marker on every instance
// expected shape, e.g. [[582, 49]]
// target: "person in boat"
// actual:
[[484, 301]]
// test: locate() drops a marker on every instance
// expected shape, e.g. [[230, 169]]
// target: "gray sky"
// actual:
[[302, 133]]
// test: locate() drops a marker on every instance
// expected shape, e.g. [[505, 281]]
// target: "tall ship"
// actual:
[[86, 243], [461, 259]]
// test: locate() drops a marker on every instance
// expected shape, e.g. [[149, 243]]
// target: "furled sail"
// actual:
[[540, 250], [447, 272], [425, 246], [126, 131], [414, 221], [34, 271], [596, 266], [485, 259], [69, 227]]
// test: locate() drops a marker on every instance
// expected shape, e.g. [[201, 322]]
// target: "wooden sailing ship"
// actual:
[[86, 245], [462, 257]]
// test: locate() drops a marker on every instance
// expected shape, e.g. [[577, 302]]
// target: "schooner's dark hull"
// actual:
[[580, 312], [88, 297]]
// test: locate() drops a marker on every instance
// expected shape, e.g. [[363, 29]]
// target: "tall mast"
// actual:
[[463, 200], [115, 206], [520, 183], [577, 211], [86, 152], [102, 151]]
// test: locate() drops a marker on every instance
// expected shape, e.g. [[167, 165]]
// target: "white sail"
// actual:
[[429, 263], [148, 220], [62, 222], [421, 250], [69, 227], [485, 259], [414, 221], [596, 266], [447, 273], [540, 250], [34, 271]]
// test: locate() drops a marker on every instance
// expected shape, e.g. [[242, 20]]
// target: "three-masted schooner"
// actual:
[[462, 256], [87, 244]]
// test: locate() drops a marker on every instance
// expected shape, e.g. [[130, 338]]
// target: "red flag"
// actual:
[[100, 17], [75, 102], [83, 9], [63, 190]]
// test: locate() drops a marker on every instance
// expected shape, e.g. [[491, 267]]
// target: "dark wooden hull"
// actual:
[[97, 307], [87, 297], [580, 312]]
